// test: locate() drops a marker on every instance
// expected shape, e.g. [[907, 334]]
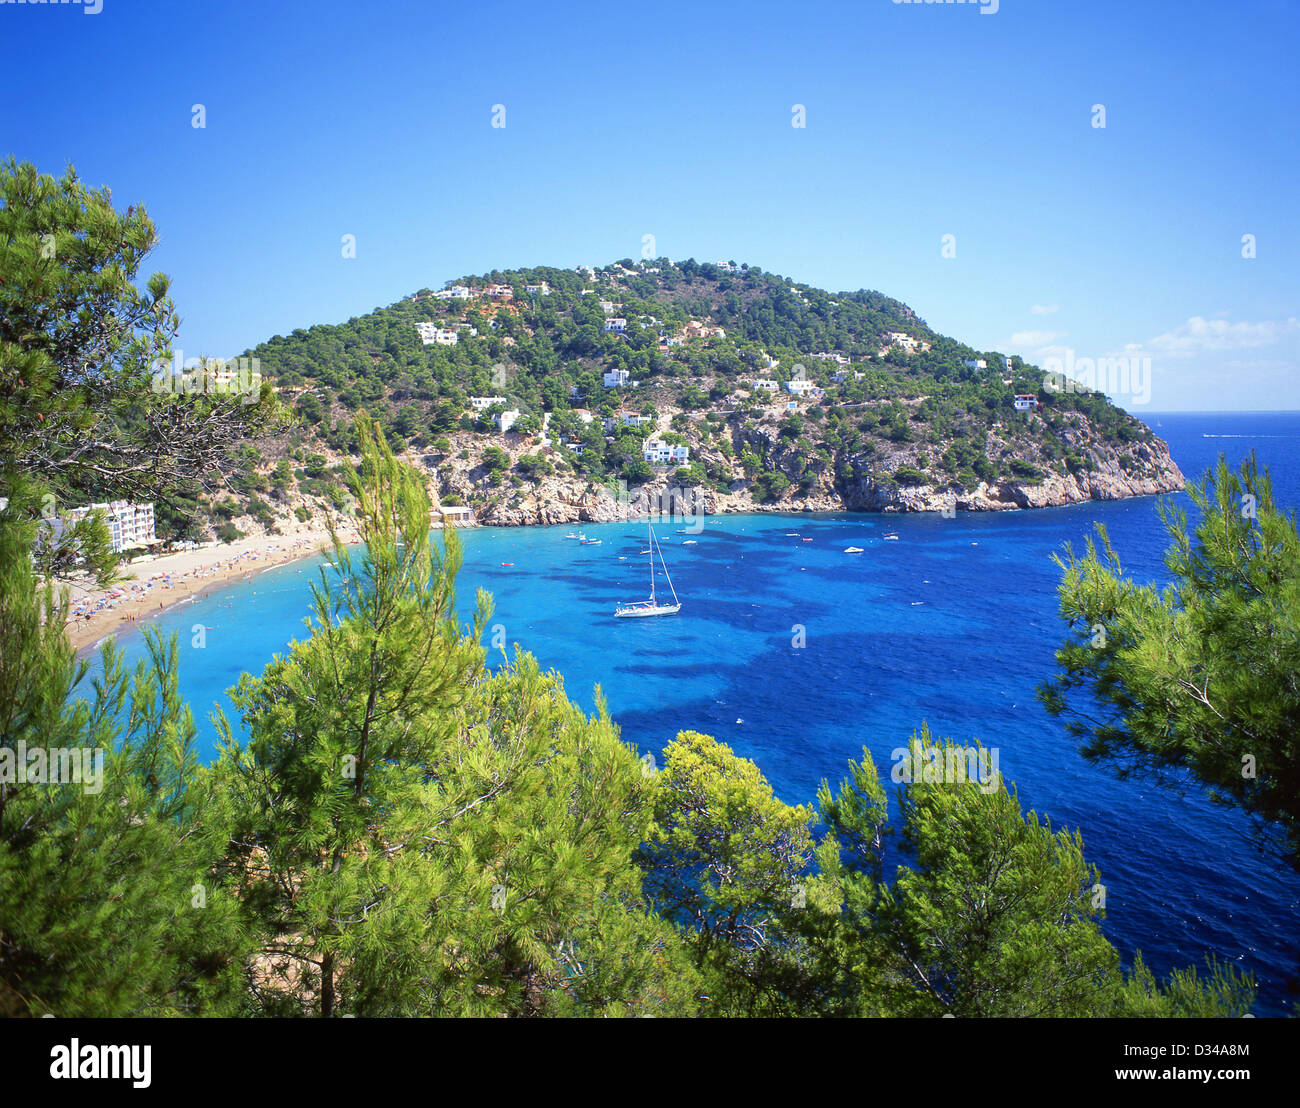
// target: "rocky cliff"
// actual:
[[1145, 469]]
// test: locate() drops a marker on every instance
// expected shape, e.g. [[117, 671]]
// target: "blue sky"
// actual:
[[334, 118]]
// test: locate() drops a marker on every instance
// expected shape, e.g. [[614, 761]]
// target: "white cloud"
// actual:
[[1051, 350], [1201, 336], [1035, 339], [1044, 309]]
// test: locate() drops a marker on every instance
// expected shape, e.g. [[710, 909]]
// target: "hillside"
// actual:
[[584, 367]]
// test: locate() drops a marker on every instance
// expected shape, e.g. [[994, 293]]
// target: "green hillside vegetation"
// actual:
[[897, 417]]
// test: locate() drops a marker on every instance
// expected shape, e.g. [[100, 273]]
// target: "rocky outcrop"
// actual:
[[1151, 471], [558, 501], [1113, 471]]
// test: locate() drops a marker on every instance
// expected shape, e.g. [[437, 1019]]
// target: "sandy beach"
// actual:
[[152, 585]]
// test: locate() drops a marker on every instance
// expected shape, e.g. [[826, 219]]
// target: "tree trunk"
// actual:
[[327, 986]]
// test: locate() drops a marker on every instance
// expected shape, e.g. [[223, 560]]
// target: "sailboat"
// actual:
[[652, 607]]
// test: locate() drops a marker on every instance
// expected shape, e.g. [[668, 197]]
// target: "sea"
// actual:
[[798, 656]]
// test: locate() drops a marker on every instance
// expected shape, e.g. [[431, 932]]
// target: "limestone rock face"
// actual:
[[1138, 469]]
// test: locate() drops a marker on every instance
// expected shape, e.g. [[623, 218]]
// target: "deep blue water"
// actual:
[[955, 623]]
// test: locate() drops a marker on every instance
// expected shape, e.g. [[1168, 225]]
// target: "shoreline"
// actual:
[[154, 587], [221, 565]]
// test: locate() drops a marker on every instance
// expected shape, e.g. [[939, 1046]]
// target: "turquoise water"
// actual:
[[955, 623]]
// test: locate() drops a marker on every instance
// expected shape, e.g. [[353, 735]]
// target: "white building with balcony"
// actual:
[[431, 333], [662, 453], [130, 526]]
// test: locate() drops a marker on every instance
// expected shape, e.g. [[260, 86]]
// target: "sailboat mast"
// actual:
[[650, 532], [666, 574]]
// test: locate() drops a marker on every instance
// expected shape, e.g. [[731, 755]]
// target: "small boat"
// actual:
[[580, 536], [651, 607], [853, 550], [891, 537], [507, 563], [687, 542], [805, 540], [683, 531], [590, 542], [791, 534]]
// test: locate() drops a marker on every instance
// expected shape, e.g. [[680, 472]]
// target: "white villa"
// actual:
[[616, 378], [619, 324], [456, 292], [696, 330], [625, 419], [1026, 402], [899, 338], [802, 388], [483, 403], [662, 453], [431, 333], [765, 385], [506, 420], [541, 290], [975, 363]]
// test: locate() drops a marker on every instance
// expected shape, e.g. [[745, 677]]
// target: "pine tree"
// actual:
[[84, 412], [995, 914], [1204, 675], [417, 835], [108, 900], [725, 860]]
